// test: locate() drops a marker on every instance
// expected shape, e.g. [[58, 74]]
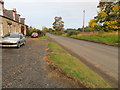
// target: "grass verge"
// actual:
[[55, 47], [108, 39], [76, 69], [44, 37]]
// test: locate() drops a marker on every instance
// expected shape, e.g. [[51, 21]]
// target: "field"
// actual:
[[107, 39]]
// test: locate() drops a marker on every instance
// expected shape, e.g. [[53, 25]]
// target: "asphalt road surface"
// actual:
[[26, 68], [101, 58]]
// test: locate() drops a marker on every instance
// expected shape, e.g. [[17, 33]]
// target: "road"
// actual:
[[26, 68], [103, 59]]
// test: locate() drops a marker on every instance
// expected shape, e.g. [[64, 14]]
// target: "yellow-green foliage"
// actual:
[[116, 8], [107, 18], [92, 24], [112, 24], [102, 14]]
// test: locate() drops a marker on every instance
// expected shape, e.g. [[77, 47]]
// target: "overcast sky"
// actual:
[[39, 13]]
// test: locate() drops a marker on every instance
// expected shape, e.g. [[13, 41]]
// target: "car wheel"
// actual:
[[24, 43], [18, 45]]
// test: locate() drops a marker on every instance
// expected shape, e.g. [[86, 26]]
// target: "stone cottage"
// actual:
[[10, 21]]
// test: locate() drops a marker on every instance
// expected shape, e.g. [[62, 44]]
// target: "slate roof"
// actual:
[[8, 13]]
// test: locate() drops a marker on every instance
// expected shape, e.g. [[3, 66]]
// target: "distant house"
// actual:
[[10, 21]]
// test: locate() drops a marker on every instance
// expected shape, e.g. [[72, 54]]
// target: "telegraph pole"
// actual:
[[83, 20]]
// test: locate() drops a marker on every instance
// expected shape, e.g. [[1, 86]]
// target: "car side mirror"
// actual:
[[20, 37]]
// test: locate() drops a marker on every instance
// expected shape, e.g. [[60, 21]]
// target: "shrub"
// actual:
[[72, 32], [57, 32], [32, 31]]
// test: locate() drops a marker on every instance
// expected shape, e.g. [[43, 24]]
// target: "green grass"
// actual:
[[44, 37], [108, 39], [55, 47], [78, 70], [75, 68], [28, 36]]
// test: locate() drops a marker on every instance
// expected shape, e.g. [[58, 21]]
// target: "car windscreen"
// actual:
[[34, 33], [12, 35]]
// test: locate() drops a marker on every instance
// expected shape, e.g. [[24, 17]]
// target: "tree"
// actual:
[[32, 30], [45, 29], [50, 29], [92, 24], [80, 29], [58, 25], [108, 16]]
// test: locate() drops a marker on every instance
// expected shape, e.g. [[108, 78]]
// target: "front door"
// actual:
[[22, 30]]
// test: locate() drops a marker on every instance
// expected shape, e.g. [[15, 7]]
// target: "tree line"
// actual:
[[107, 20]]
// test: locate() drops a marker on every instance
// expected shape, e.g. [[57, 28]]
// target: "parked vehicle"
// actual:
[[13, 40], [34, 35]]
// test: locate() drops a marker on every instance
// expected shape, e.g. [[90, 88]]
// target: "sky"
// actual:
[[39, 13]]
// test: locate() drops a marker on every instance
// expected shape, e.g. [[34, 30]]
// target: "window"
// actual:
[[12, 35]]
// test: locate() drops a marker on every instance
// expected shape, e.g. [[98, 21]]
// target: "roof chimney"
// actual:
[[14, 12], [14, 9], [19, 17], [1, 7]]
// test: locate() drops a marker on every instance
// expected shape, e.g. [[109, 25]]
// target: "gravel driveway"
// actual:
[[26, 68]]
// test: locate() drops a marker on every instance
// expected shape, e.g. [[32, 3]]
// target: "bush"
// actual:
[[40, 33], [57, 32], [34, 30], [72, 32]]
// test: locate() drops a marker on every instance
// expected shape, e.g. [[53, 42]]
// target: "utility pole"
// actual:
[[83, 20]]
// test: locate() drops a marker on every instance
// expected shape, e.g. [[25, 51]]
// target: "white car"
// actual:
[[13, 40]]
